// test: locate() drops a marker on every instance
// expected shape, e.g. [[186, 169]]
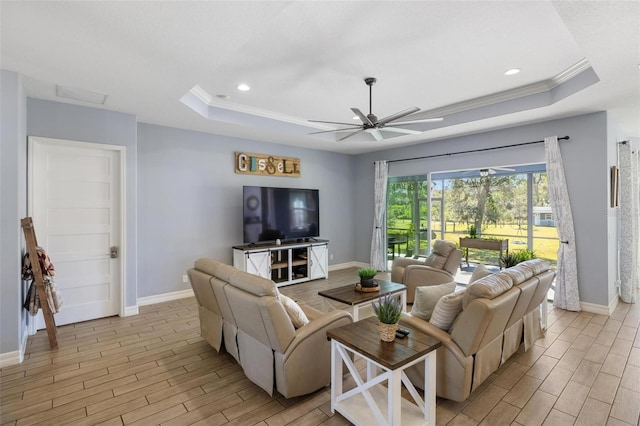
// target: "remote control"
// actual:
[[400, 335], [403, 331]]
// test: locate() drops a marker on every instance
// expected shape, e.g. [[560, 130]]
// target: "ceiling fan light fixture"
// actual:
[[372, 125], [484, 172]]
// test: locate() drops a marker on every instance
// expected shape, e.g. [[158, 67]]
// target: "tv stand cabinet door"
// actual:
[[319, 261], [255, 262]]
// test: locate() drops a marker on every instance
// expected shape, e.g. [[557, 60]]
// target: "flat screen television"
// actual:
[[279, 213]]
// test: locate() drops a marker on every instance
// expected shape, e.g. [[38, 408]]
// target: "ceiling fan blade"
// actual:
[[364, 118], [401, 130], [351, 134], [331, 122], [376, 134], [398, 115], [424, 120], [336, 130]]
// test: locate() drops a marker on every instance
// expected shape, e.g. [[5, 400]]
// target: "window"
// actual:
[[508, 204]]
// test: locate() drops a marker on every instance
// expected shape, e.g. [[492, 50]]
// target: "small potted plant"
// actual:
[[388, 311], [366, 277]]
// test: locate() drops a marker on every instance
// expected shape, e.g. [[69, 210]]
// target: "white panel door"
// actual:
[[75, 205]]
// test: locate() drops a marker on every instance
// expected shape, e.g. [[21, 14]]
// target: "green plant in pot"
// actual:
[[366, 277], [473, 233], [517, 256], [388, 311]]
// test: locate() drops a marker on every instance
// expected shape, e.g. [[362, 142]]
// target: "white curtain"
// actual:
[[379, 237], [628, 214], [566, 292]]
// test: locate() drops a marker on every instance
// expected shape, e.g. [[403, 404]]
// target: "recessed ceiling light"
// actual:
[[355, 117], [512, 71], [243, 87]]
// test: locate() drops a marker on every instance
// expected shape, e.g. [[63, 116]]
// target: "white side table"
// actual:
[[386, 362]]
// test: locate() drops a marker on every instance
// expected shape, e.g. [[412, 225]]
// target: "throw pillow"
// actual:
[[295, 312], [447, 309], [479, 272], [427, 296]]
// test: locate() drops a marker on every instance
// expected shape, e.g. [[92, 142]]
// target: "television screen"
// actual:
[[280, 213]]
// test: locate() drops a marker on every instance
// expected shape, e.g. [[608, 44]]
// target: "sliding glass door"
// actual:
[[509, 203]]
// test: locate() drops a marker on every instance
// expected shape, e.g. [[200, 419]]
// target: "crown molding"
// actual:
[[508, 95]]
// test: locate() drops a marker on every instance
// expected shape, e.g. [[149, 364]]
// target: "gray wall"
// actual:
[[77, 123], [586, 158], [13, 207], [190, 200]]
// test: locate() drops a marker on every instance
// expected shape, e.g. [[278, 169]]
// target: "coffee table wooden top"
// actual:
[[363, 337], [350, 296]]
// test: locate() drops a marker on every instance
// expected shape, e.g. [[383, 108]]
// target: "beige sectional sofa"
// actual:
[[488, 321], [256, 324]]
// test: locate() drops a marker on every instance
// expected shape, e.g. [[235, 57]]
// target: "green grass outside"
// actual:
[[545, 240]]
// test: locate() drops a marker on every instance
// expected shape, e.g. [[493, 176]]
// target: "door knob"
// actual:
[[113, 252]]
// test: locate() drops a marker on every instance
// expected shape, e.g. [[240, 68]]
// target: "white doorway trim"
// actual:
[[121, 153]]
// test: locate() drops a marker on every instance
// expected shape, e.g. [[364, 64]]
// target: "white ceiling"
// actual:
[[307, 60]]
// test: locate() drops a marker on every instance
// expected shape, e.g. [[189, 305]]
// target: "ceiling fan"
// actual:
[[371, 124], [490, 171]]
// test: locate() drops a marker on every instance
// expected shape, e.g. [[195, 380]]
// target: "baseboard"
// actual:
[[600, 309], [348, 265], [15, 357], [131, 310], [165, 297]]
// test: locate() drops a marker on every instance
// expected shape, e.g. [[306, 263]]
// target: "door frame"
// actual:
[[121, 153]]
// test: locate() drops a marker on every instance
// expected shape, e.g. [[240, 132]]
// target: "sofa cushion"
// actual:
[[441, 251], [487, 287], [253, 284], [447, 309], [537, 266], [206, 265], [427, 296], [295, 312], [480, 272], [518, 274]]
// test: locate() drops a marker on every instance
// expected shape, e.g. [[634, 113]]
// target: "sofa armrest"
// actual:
[[431, 330], [419, 275], [311, 313], [305, 366], [398, 266], [317, 326]]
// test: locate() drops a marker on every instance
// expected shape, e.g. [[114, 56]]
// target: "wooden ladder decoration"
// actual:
[[32, 243]]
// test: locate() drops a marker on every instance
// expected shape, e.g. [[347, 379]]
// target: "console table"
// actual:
[[480, 243], [369, 402], [291, 262]]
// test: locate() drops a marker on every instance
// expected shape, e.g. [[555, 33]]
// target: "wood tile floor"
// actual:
[[153, 368]]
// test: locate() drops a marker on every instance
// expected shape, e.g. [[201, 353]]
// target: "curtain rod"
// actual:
[[563, 138]]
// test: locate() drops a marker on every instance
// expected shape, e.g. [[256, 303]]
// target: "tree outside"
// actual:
[[496, 206]]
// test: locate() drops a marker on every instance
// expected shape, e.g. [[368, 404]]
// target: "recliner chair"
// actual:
[[439, 267], [273, 353]]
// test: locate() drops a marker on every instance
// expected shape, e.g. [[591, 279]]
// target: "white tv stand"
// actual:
[[291, 262]]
